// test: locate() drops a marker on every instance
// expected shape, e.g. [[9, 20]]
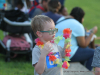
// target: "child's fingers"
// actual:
[[48, 45], [51, 50]]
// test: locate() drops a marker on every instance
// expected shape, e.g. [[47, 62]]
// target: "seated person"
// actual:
[[80, 52], [78, 14], [21, 7], [53, 7], [39, 9]]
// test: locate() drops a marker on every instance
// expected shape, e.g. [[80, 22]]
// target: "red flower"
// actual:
[[66, 35], [65, 65], [52, 58], [68, 54], [39, 43], [67, 30], [67, 50]]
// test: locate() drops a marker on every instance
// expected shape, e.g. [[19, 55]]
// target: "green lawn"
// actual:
[[19, 66]]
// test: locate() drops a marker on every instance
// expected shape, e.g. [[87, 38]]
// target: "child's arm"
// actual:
[[40, 66]]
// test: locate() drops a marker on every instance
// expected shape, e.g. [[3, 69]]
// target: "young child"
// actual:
[[44, 28]]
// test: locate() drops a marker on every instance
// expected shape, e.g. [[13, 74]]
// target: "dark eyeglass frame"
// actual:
[[51, 31]]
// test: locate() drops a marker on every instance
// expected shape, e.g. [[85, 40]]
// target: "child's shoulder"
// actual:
[[36, 48], [36, 51]]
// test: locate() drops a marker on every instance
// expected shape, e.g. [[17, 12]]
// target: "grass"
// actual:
[[19, 66]]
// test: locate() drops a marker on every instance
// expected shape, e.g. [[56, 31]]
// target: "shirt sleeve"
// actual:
[[35, 55], [96, 58]]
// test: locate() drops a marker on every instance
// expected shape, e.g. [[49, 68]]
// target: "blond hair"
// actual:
[[38, 23]]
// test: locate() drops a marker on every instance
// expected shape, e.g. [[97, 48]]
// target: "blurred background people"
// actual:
[[19, 4], [63, 11], [53, 7], [39, 9]]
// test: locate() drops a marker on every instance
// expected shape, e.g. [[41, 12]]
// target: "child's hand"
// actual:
[[46, 49]]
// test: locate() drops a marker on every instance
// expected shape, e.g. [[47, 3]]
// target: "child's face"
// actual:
[[49, 31]]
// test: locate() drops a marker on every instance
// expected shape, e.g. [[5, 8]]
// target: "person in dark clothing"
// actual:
[[53, 7], [39, 9]]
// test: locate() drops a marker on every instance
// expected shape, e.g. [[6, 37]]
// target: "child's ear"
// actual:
[[39, 33]]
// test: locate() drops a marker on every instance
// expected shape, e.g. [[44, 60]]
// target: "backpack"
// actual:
[[17, 42], [33, 9]]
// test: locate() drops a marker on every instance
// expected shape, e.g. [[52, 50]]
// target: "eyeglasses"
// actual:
[[51, 31]]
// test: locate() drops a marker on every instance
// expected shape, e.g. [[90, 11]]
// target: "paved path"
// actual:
[[77, 69]]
